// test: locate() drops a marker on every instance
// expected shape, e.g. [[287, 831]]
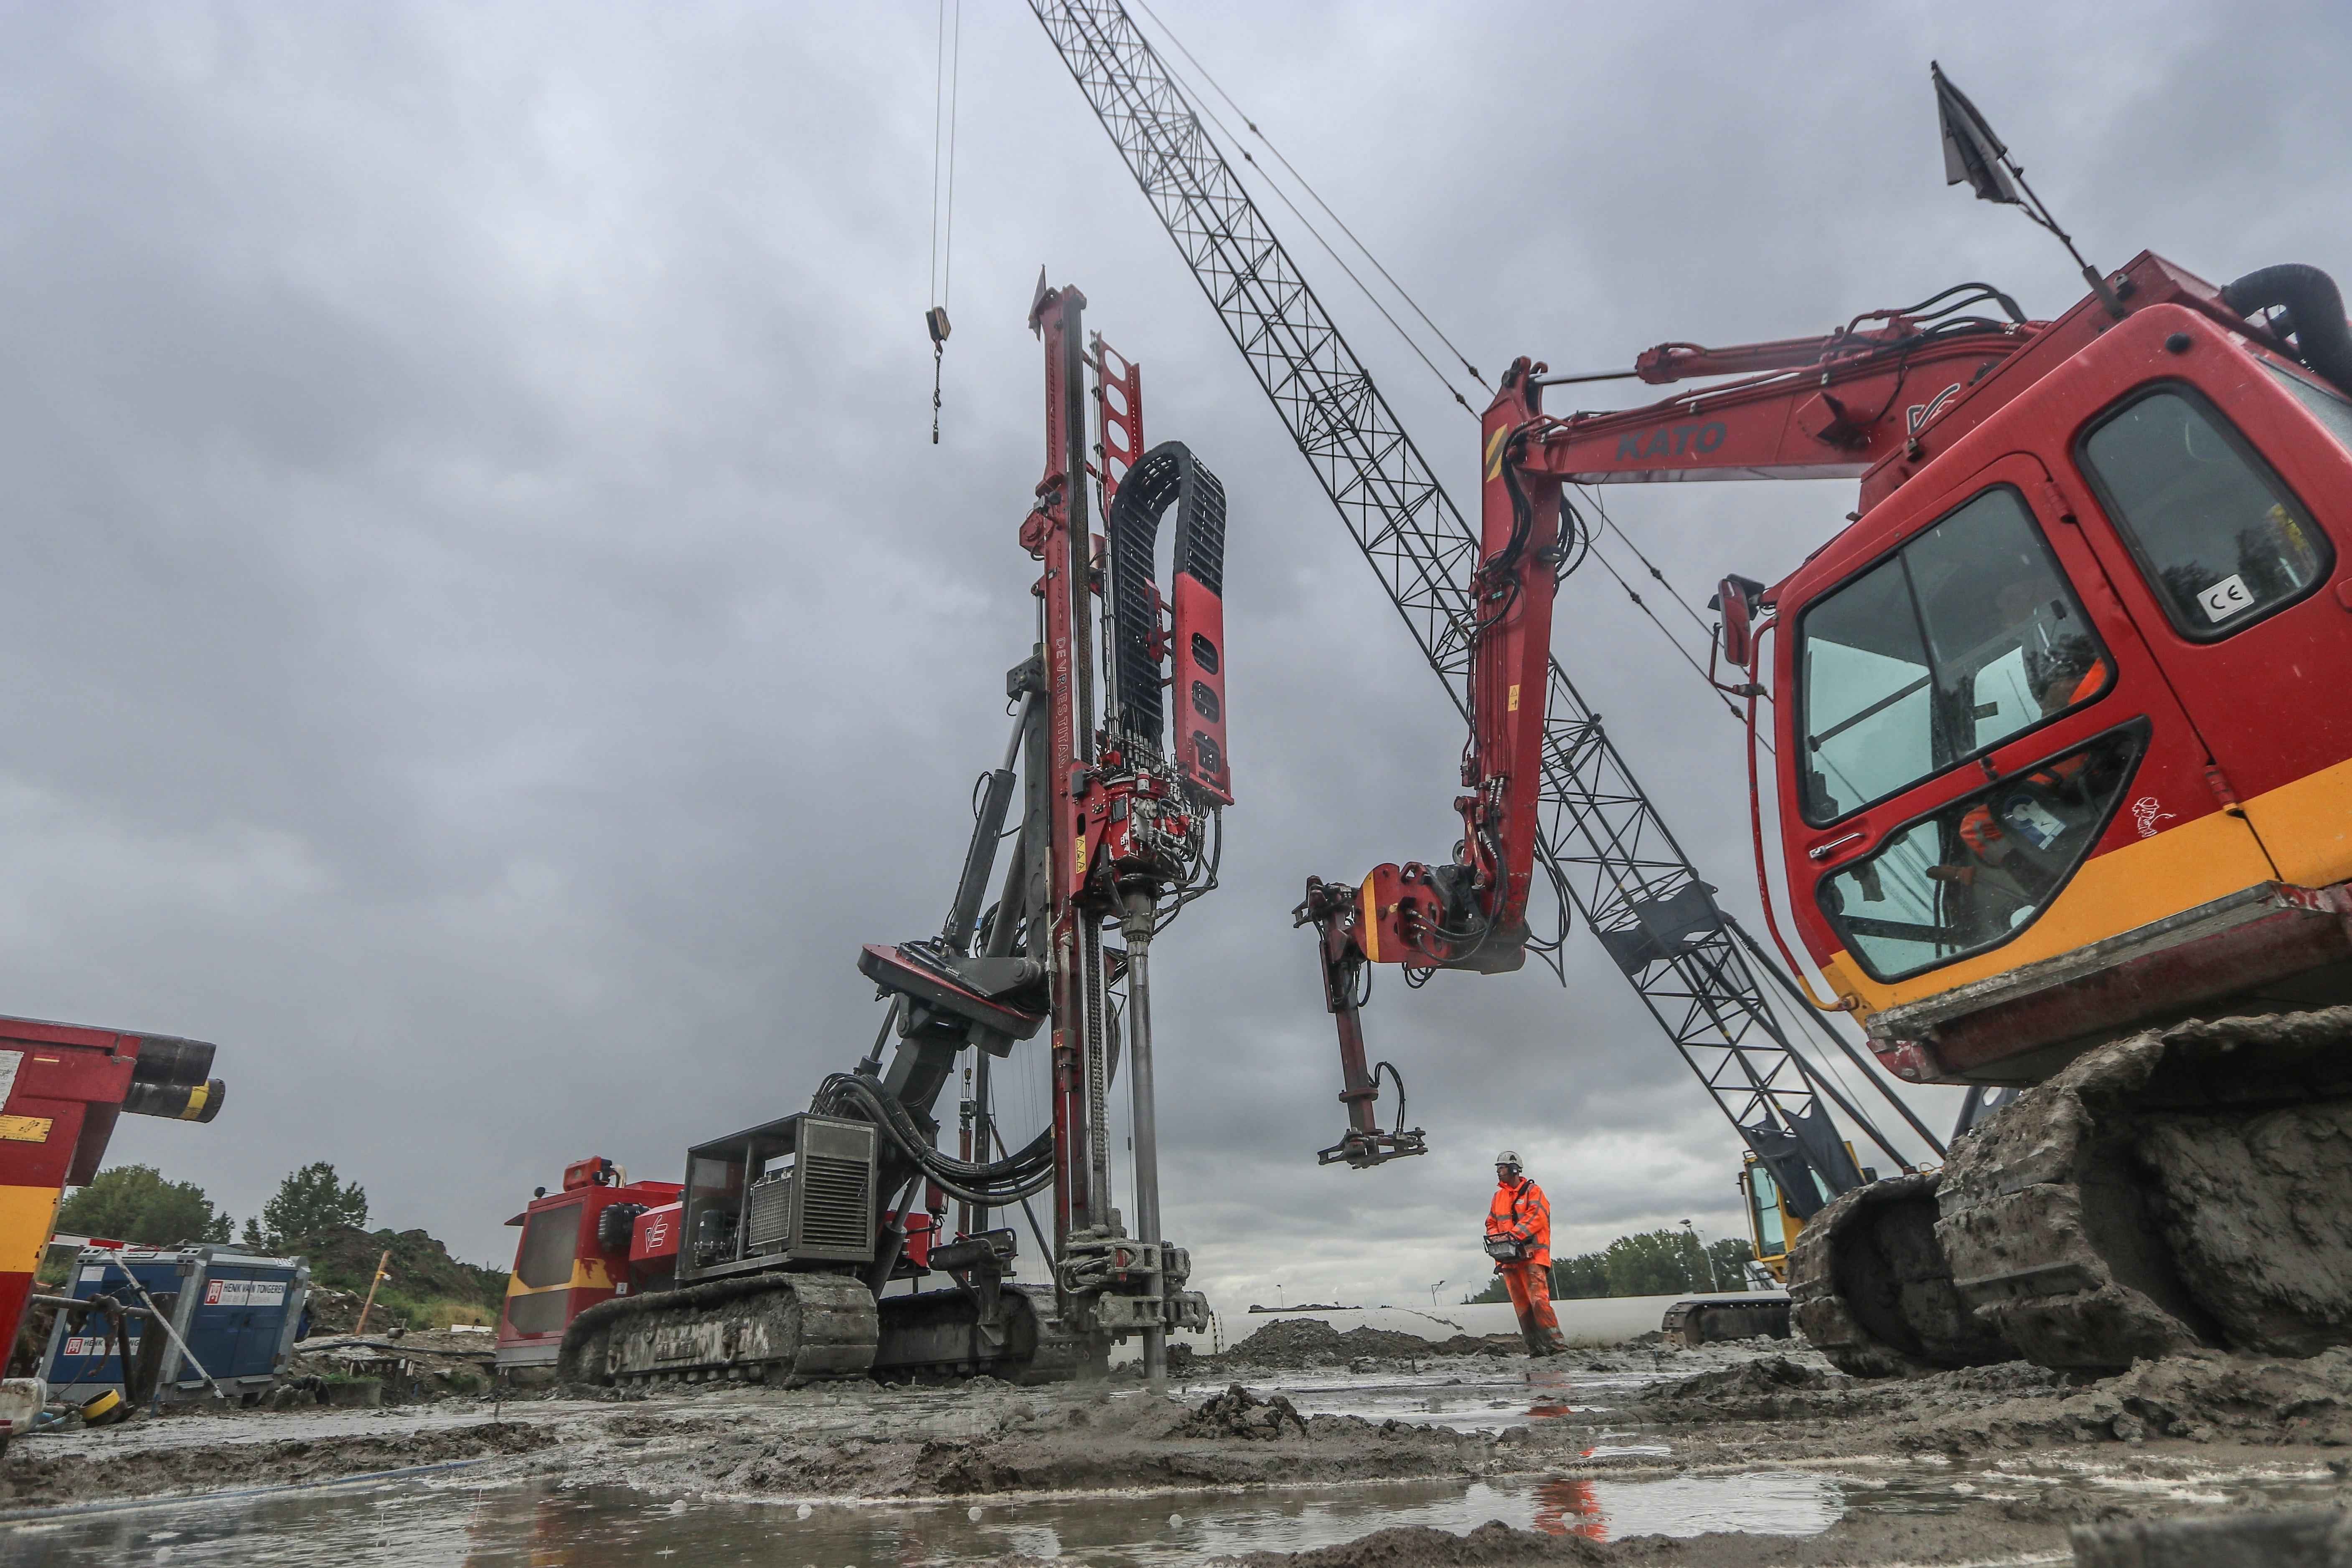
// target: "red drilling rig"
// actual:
[[772, 1259]]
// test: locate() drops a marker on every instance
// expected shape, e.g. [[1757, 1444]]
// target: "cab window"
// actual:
[[1764, 1212], [551, 1241], [1966, 637], [1974, 873], [2218, 537], [2325, 406]]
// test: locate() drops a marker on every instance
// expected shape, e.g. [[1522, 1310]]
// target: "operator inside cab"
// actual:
[[2048, 803], [1518, 1238]]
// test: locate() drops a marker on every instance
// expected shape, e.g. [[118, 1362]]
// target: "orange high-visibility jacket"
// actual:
[[1522, 1214]]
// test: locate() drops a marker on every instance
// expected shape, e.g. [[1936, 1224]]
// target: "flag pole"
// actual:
[[1974, 153]]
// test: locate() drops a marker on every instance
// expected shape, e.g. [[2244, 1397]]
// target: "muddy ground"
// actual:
[[1991, 1465]]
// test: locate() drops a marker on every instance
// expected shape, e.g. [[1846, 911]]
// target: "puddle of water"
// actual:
[[539, 1525], [1474, 1402], [536, 1526]]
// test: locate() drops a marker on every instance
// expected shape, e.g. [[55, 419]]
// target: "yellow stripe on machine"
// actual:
[[28, 1215], [2307, 826], [587, 1274], [1367, 919]]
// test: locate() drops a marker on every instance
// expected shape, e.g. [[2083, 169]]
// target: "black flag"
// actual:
[[1971, 152]]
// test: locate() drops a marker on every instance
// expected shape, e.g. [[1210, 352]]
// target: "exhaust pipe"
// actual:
[[2314, 315], [171, 1077]]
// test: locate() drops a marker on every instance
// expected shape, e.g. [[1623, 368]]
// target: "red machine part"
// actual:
[[573, 1254], [1128, 817], [922, 1227], [1986, 402], [593, 1171], [1118, 406], [652, 1243], [1197, 636], [1833, 407], [1049, 533], [62, 1087], [1472, 913]]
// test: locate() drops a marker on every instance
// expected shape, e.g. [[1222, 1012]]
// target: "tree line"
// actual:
[[1655, 1263], [136, 1204]]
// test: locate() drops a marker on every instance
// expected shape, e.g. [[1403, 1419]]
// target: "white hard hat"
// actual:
[[1509, 1157]]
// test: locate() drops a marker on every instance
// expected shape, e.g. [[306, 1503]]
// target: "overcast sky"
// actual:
[[485, 634]]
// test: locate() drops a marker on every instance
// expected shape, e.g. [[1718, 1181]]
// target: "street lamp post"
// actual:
[[1705, 1257]]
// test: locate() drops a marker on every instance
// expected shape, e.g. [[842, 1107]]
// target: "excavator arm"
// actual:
[[1833, 406], [1827, 406]]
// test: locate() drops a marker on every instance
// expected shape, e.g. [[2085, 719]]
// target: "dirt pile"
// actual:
[[1858, 1541], [1771, 1388], [966, 1444], [1289, 1344], [2318, 1539], [33, 1478], [2203, 1396], [410, 1366], [420, 1268], [1238, 1412]]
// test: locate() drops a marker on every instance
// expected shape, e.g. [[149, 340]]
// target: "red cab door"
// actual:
[[1982, 764]]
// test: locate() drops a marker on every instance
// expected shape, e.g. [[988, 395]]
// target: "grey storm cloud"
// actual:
[[486, 635]]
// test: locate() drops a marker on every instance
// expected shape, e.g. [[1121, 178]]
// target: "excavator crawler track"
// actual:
[[937, 1334], [780, 1329], [1706, 1320], [2187, 1187], [1869, 1289]]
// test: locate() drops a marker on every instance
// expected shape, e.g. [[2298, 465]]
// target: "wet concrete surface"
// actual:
[[1732, 1456]]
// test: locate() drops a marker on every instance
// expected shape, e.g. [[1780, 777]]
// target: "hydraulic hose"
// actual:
[[2315, 312], [892, 1118], [991, 1185]]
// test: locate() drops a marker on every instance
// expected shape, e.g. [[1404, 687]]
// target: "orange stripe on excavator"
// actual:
[[2127, 888], [1368, 921]]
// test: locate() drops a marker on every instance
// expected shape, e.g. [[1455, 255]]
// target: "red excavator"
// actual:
[[2063, 768]]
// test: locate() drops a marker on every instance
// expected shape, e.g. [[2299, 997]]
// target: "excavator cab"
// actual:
[[1772, 1222], [2063, 743]]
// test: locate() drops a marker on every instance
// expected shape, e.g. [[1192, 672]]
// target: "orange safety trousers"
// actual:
[[1530, 1287]]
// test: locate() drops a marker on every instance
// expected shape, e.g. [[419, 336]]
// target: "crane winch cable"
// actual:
[[1591, 494], [1316, 197], [1193, 101], [1639, 603], [945, 72]]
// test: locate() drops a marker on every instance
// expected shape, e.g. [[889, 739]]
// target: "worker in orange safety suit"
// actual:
[[1518, 1238]]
